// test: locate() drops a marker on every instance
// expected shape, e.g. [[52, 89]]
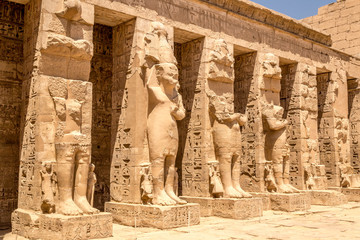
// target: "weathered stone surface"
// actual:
[[287, 202], [352, 194], [327, 197], [162, 217], [57, 227], [244, 208]]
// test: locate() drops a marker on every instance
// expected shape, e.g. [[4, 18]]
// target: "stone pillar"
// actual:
[[333, 125], [299, 99], [354, 118], [246, 101], [57, 54], [139, 47]]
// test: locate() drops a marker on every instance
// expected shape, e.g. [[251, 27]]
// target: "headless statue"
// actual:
[[227, 140], [276, 148], [72, 149]]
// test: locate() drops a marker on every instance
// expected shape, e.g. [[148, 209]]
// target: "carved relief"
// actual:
[[48, 187]]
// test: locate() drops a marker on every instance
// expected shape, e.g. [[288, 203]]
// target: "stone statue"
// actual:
[[146, 185], [227, 141], [309, 176], [216, 188], [276, 148], [270, 182], [72, 146], [91, 185], [48, 187], [165, 108]]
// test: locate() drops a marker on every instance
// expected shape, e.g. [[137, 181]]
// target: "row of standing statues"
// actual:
[[70, 191]]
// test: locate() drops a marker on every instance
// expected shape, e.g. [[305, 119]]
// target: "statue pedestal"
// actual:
[[242, 208], [352, 194], [162, 217], [327, 197], [285, 202], [33, 225]]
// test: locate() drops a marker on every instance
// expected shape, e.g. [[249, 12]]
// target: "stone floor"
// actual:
[[318, 223]]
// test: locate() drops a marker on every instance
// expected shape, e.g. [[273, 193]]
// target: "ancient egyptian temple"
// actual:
[[158, 113]]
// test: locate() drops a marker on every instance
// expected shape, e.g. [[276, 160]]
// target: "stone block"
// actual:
[[162, 217], [243, 208], [34, 225], [327, 197], [352, 194], [265, 200], [287, 202]]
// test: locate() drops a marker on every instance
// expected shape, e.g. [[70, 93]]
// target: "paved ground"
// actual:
[[318, 223]]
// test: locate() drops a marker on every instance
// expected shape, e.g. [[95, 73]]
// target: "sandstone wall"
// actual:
[[11, 76], [101, 77], [341, 20]]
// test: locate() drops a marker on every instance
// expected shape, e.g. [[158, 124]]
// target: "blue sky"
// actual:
[[297, 9]]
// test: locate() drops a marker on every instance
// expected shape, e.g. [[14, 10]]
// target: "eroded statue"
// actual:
[[91, 185], [72, 147], [276, 147], [227, 141], [48, 187], [165, 108]]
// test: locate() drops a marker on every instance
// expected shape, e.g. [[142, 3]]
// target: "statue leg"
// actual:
[[170, 177], [225, 158], [81, 181], [235, 176], [277, 159], [65, 158], [286, 175], [159, 197]]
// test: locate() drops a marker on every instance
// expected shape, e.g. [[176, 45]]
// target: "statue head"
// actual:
[[271, 66], [278, 112], [167, 73], [92, 167]]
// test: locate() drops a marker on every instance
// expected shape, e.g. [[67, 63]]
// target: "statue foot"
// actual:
[[243, 193], [85, 206], [68, 207], [232, 193], [292, 188], [173, 196], [163, 199], [283, 189]]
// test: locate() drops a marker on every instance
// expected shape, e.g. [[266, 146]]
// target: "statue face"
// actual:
[[279, 111], [169, 74]]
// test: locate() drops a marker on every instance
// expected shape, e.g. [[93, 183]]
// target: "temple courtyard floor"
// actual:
[[341, 222]]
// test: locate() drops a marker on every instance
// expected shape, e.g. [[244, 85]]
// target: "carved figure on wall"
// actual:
[[276, 147], [146, 185], [270, 182], [165, 108], [48, 187], [72, 147], [91, 184], [227, 141], [309, 176], [216, 187]]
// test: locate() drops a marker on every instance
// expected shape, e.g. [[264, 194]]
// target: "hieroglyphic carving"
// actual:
[[11, 75], [245, 96], [354, 118], [194, 176], [121, 178], [326, 126], [101, 77]]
